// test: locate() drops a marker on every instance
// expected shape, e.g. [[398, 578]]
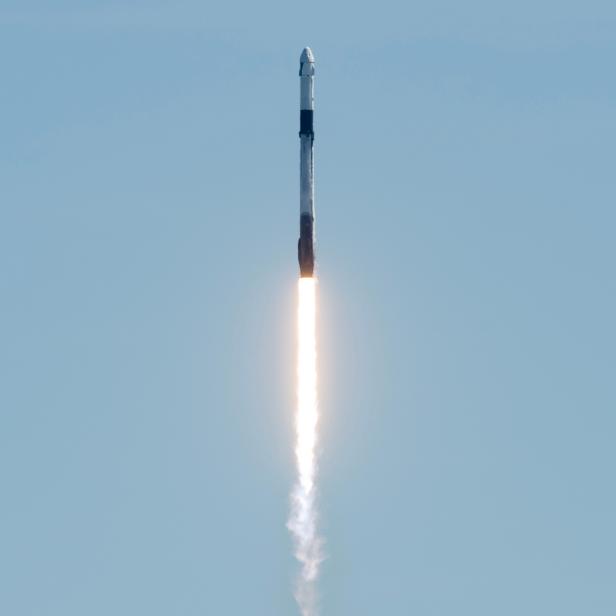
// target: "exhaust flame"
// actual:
[[302, 522]]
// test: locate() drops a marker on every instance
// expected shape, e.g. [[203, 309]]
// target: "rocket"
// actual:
[[305, 246]]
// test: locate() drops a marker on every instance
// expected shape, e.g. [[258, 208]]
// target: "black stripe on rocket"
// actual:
[[306, 122]]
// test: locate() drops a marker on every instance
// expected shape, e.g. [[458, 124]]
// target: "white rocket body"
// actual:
[[306, 164]]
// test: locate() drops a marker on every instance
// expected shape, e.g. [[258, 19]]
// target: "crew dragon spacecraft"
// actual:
[[305, 246]]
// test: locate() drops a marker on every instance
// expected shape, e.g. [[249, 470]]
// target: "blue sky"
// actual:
[[465, 219]]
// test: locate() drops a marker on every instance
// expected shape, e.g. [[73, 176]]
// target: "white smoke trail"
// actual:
[[302, 522]]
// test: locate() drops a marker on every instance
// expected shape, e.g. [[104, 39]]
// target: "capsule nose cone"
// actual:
[[307, 55]]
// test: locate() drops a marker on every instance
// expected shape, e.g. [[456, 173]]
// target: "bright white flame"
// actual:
[[302, 522]]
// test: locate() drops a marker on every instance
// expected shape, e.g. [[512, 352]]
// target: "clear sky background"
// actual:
[[466, 208]]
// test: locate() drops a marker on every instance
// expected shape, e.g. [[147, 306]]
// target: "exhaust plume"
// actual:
[[303, 518]]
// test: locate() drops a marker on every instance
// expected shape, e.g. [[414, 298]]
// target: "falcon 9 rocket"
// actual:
[[305, 246]]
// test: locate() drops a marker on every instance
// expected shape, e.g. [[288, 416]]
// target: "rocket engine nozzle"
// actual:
[[305, 247]]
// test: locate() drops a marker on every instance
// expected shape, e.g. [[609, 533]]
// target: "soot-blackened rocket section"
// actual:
[[305, 246]]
